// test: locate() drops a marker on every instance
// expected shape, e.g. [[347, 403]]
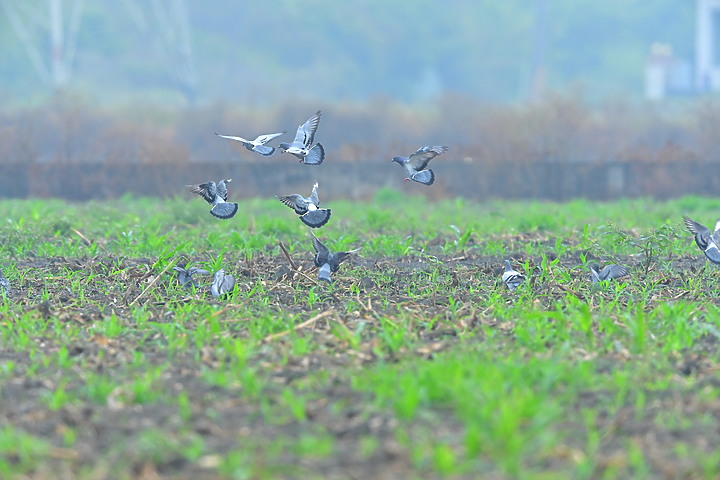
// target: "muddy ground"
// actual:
[[109, 443]]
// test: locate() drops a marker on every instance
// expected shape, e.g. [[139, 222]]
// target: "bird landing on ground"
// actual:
[[216, 194]]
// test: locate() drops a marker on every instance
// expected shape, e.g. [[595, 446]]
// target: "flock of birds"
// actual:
[[311, 214], [308, 209]]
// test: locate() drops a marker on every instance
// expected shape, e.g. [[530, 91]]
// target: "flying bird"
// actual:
[[328, 262], [216, 195], [415, 165], [302, 147], [308, 208], [185, 276], [221, 284], [512, 278], [257, 145], [609, 272], [706, 241]]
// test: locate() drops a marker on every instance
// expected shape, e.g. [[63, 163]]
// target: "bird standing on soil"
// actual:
[[416, 163], [221, 283], [609, 272], [304, 138], [512, 278], [185, 277], [308, 208], [257, 145], [328, 262], [706, 241], [4, 284], [216, 195]]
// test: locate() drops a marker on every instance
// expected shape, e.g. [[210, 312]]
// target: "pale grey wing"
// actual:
[[316, 218], [322, 253], [228, 284], [324, 273], [224, 210], [701, 232], [183, 276], [426, 177], [197, 271], [315, 156], [611, 272], [263, 139], [314, 196], [217, 282], [222, 188], [237, 139], [420, 159], [594, 275], [208, 191], [513, 279], [296, 202], [263, 150], [305, 134]]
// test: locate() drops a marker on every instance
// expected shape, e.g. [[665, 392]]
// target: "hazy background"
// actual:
[[502, 82]]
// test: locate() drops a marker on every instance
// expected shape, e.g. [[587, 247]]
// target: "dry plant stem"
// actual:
[[304, 324], [287, 255], [152, 283]]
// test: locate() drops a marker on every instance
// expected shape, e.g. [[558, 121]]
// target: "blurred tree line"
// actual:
[[263, 53]]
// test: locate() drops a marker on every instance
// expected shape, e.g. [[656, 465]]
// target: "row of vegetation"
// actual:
[[416, 362]]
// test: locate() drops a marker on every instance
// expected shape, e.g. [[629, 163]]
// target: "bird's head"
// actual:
[[593, 266], [399, 160], [283, 146]]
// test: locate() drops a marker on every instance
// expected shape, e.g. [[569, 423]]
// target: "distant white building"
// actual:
[[707, 46]]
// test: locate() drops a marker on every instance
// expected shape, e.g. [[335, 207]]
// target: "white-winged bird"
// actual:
[[221, 284], [302, 146], [257, 145]]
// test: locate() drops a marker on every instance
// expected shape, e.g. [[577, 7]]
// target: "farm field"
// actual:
[[417, 362]]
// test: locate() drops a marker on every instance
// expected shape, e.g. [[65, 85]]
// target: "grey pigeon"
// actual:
[[4, 284], [302, 147], [185, 276], [415, 165], [216, 195], [609, 272], [308, 208], [512, 278], [221, 284], [706, 241], [257, 145], [328, 262]]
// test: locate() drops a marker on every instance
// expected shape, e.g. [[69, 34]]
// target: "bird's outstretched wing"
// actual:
[[611, 272], [314, 196], [305, 134], [296, 202], [263, 139], [237, 139], [322, 253], [208, 191], [701, 232], [420, 159]]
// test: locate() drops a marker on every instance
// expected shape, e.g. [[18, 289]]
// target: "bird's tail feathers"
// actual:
[[316, 155], [426, 177], [316, 218], [224, 210]]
